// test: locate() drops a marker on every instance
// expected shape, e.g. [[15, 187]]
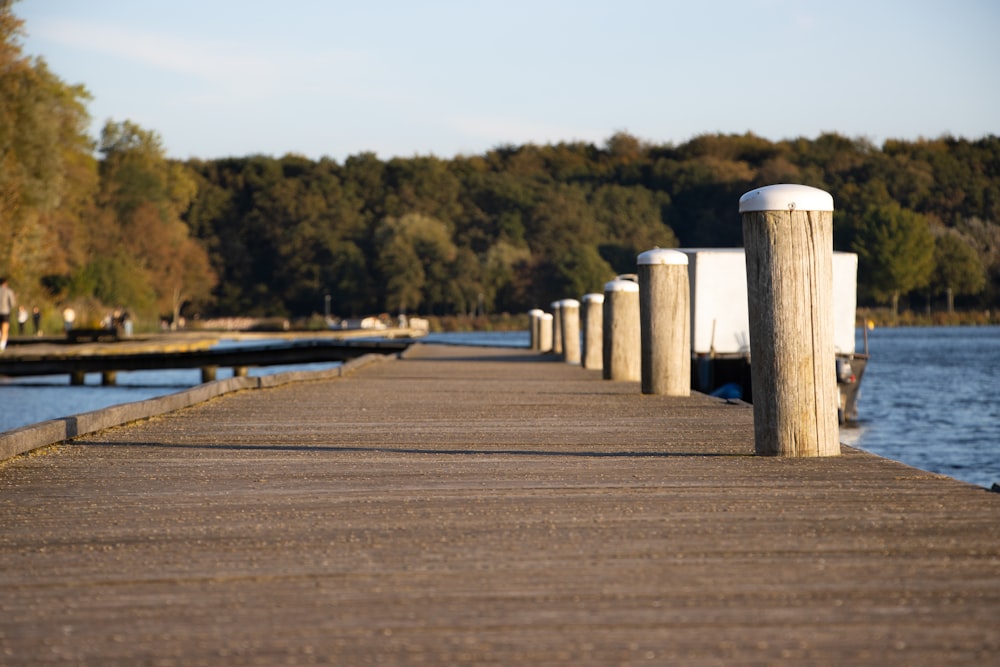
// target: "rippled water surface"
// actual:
[[930, 398]]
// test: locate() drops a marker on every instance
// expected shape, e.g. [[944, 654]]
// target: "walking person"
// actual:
[[36, 320], [22, 319], [7, 303], [69, 316]]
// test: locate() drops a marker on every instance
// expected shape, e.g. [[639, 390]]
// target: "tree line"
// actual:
[[108, 222]]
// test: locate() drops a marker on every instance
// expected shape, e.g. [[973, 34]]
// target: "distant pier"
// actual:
[[195, 351]]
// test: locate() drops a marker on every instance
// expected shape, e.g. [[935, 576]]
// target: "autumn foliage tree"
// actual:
[[47, 174], [148, 257]]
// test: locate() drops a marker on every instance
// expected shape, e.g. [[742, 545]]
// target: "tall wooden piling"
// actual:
[[545, 332], [557, 333], [665, 322], [592, 324], [534, 326], [569, 314], [788, 235], [622, 341]]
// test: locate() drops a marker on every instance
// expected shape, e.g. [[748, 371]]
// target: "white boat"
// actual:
[[720, 326]]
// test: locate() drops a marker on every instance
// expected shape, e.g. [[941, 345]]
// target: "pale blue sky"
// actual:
[[219, 78]]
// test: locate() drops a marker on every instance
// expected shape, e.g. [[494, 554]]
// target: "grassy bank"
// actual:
[[883, 317]]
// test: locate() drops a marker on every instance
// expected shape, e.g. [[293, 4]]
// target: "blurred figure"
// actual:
[[69, 316], [7, 303]]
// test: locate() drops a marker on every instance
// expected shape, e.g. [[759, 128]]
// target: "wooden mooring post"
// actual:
[[592, 324], [622, 341], [665, 313], [557, 333], [569, 315], [535, 321], [788, 236], [545, 332]]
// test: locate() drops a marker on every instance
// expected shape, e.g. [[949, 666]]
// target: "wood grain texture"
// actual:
[[789, 256], [664, 308], [476, 506], [592, 323], [622, 339], [570, 316]]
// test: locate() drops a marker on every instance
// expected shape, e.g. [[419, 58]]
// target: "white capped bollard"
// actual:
[[788, 236], [534, 324], [545, 333], [622, 342], [557, 335], [592, 324], [665, 315], [569, 313]]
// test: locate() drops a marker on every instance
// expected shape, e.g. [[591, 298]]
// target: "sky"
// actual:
[[401, 78]]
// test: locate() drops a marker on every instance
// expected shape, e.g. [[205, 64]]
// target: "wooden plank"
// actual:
[[479, 506]]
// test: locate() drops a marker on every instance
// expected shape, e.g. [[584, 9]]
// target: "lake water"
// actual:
[[928, 397], [31, 400]]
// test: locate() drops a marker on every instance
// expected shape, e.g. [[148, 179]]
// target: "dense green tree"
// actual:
[[632, 222], [581, 270], [506, 277], [415, 260], [895, 252], [957, 267], [984, 237], [423, 185], [705, 179], [464, 290]]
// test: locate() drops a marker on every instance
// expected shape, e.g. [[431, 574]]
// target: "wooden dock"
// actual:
[[472, 506], [193, 351]]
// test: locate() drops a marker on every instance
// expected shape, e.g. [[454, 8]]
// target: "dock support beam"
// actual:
[[788, 235], [208, 373]]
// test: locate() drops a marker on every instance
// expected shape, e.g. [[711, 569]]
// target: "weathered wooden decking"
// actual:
[[475, 506]]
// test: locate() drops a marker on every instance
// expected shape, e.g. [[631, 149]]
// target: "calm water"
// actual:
[[929, 396], [31, 400]]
